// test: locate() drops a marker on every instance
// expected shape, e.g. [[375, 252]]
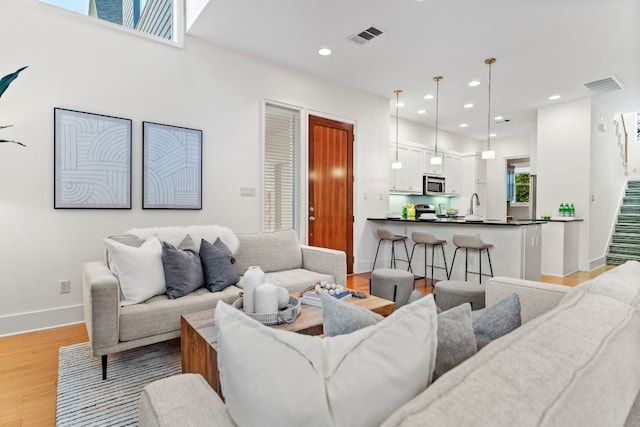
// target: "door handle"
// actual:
[[312, 218]]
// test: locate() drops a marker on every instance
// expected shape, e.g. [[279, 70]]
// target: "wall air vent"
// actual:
[[365, 36], [608, 84]]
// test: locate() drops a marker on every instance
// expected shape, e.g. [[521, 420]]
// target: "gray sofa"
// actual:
[[113, 328], [575, 361]]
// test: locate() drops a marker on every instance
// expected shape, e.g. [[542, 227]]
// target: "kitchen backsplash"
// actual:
[[397, 200]]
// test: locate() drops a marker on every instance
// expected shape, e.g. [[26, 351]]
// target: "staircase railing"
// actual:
[[623, 145]]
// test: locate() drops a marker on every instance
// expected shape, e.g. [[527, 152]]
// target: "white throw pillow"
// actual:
[[275, 377], [139, 270]]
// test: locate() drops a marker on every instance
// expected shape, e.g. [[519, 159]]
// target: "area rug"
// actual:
[[84, 399]]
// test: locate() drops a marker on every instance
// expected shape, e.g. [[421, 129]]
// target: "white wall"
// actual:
[[564, 163], [410, 131], [75, 63]]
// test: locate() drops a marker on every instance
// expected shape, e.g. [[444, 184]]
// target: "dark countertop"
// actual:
[[460, 220]]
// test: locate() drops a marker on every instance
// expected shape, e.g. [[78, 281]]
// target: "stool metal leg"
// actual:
[[452, 263], [480, 266], [466, 263], [376, 257], [489, 258], [407, 252], [393, 254], [444, 258]]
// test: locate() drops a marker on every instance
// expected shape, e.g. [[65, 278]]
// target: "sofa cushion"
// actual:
[[182, 270], [497, 320], [298, 279], [139, 270], [160, 315], [342, 317], [218, 264], [291, 379], [275, 251], [568, 367]]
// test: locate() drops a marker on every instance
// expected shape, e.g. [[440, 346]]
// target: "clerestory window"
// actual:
[[152, 17]]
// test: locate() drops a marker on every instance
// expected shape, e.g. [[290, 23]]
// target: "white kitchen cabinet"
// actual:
[[452, 171], [428, 167], [474, 172], [407, 179]]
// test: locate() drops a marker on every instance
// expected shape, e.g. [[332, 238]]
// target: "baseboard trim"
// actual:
[[597, 263], [21, 323]]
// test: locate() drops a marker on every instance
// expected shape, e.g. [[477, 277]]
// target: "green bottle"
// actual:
[[561, 210], [572, 211]]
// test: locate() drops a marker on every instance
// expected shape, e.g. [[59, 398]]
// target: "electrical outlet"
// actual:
[[65, 286]]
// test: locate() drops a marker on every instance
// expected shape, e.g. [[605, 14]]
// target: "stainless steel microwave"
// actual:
[[433, 185]]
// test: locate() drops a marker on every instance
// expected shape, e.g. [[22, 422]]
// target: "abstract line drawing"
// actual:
[[92, 161], [172, 167]]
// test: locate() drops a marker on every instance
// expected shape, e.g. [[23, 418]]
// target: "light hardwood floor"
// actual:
[[29, 362]]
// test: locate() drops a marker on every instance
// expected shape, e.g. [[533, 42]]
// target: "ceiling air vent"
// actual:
[[608, 84], [366, 35]]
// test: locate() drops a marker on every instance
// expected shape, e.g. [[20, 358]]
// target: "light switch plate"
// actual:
[[247, 192]]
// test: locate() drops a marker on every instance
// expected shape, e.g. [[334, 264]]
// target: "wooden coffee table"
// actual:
[[199, 335]]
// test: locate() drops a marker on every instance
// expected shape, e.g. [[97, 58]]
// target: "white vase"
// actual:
[[253, 278], [266, 298]]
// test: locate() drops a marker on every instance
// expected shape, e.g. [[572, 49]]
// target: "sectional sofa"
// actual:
[[114, 327], [575, 361]]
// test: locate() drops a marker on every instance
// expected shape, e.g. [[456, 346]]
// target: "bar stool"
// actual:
[[386, 235], [428, 240], [471, 241]]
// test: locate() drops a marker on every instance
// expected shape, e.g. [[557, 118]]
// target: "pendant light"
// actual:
[[436, 159], [397, 164], [489, 153]]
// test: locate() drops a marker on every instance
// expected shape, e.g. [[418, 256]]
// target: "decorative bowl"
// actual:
[[453, 212]]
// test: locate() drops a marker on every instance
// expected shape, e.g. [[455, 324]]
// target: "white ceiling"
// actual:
[[543, 47]]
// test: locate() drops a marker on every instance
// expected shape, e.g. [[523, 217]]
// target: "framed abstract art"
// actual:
[[92, 161], [172, 167]]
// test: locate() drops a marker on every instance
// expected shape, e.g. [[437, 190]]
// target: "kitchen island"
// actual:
[[516, 248]]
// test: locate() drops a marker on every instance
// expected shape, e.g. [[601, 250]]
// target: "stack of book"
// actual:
[[313, 298]]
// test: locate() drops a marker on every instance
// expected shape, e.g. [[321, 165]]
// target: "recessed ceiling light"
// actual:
[[429, 96], [468, 105], [492, 135], [554, 97], [498, 118], [324, 51], [474, 83], [400, 104], [422, 111], [463, 125]]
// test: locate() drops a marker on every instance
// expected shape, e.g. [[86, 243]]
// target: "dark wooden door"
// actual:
[[331, 186]]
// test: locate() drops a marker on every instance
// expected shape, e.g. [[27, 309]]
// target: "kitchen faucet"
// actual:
[[471, 203]]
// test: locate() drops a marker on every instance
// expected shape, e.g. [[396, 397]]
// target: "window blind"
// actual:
[[281, 168]]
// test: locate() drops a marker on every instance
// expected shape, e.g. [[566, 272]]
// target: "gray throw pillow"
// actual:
[[497, 320], [456, 340], [188, 243], [341, 317], [219, 266], [182, 270], [415, 295]]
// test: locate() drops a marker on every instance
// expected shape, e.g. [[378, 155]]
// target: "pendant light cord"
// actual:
[[437, 79], [489, 62], [397, 102]]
